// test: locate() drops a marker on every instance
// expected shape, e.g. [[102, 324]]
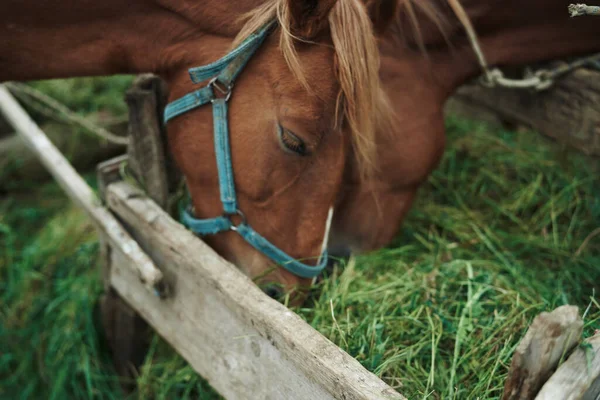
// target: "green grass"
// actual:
[[491, 242], [495, 238]]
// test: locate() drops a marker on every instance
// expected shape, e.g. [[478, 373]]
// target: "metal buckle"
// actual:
[[238, 213], [224, 90]]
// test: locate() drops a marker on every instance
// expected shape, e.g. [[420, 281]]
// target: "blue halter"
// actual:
[[223, 73]]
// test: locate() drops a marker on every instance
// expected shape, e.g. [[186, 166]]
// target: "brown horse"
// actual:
[[424, 59], [306, 100], [304, 111]]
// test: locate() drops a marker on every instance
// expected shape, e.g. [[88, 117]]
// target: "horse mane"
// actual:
[[361, 102], [409, 11]]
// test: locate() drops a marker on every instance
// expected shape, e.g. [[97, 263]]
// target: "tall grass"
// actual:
[[497, 235]]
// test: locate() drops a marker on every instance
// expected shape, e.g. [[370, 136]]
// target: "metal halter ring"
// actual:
[[238, 213], [224, 90]]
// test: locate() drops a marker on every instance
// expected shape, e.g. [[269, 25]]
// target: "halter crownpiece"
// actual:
[[223, 73]]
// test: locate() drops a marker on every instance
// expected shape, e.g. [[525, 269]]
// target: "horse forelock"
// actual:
[[361, 103]]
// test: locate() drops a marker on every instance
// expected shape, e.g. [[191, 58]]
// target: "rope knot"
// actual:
[[490, 78]]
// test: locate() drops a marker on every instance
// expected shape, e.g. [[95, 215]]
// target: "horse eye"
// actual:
[[291, 142]]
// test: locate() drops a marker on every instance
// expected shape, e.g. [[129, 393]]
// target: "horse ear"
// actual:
[[309, 17], [382, 13]]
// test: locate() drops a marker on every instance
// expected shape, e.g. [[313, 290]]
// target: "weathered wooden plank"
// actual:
[[568, 111], [146, 149], [550, 336], [78, 190], [578, 377], [245, 344]]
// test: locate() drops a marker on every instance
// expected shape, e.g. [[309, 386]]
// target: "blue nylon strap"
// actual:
[[188, 102], [294, 266], [208, 226], [233, 69], [221, 224], [248, 46], [223, 153]]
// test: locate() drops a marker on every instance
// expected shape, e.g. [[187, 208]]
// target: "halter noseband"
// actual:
[[223, 73]]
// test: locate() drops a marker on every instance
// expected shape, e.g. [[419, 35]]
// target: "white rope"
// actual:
[[67, 114], [464, 19]]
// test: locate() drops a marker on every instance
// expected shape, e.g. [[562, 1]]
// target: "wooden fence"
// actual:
[[247, 345]]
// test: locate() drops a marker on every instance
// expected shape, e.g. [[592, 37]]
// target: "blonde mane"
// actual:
[[361, 103], [431, 11]]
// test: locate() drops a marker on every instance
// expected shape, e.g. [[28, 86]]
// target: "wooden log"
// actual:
[[17, 162], [550, 337], [78, 190], [247, 345], [567, 112], [147, 162], [578, 378]]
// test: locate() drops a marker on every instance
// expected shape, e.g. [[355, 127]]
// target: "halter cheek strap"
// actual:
[[223, 73]]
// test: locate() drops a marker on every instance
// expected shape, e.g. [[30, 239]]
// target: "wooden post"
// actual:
[[578, 378], [128, 337], [149, 156], [150, 164], [125, 331]]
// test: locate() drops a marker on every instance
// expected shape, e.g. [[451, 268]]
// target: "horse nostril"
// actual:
[[339, 252], [273, 291], [336, 254]]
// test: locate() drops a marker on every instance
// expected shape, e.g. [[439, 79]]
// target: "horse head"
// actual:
[[263, 144]]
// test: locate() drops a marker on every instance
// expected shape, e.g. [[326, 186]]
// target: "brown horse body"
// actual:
[[286, 196], [511, 33]]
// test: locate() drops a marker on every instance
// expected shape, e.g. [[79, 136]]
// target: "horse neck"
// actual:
[[510, 33], [70, 38]]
